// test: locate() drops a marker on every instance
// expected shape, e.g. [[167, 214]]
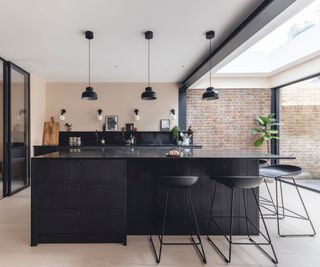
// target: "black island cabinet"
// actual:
[[103, 195]]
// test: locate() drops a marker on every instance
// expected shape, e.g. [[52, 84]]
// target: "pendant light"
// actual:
[[89, 94], [210, 93], [148, 93]]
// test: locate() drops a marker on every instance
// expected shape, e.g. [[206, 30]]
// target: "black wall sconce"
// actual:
[[136, 112], [62, 116], [173, 114], [99, 117]]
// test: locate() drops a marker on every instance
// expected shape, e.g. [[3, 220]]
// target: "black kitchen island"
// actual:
[[103, 195]]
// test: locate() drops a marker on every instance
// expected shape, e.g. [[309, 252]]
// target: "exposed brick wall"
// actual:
[[226, 123], [300, 128]]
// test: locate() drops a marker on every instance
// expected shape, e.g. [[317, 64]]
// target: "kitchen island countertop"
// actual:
[[156, 152]]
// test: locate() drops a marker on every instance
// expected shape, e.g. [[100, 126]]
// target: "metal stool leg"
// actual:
[[211, 219], [158, 255], [201, 252], [274, 259], [295, 215]]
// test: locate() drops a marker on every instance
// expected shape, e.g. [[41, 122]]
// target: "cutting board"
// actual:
[[50, 133]]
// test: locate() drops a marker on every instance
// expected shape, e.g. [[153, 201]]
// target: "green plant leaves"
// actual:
[[265, 131], [259, 141]]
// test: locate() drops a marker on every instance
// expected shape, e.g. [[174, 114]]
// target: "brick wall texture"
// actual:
[[226, 123], [300, 128]]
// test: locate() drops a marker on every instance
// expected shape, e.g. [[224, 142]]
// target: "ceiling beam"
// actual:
[[260, 17]]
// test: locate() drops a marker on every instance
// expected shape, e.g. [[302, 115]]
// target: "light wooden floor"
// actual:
[[16, 251]]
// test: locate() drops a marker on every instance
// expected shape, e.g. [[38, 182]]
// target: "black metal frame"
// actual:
[[193, 242], [292, 214], [7, 127], [229, 239], [261, 16]]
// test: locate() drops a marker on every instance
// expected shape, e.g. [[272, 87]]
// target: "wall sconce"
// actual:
[[173, 114], [62, 116], [99, 117], [136, 116]]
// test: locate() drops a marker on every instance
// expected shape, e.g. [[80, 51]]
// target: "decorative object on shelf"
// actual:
[[265, 131], [99, 117], [186, 137], [62, 116], [50, 133], [129, 127], [210, 93], [173, 114], [175, 131], [136, 116], [89, 94], [68, 126], [148, 94], [111, 123], [165, 125]]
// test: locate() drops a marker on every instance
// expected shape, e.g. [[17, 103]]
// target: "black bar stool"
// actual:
[[170, 184], [267, 203], [286, 174], [243, 183]]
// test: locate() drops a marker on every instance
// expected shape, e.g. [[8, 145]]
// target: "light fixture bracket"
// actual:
[[210, 35], [89, 35], [148, 35]]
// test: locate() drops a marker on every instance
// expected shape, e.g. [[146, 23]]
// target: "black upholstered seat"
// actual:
[[277, 171], [177, 180]]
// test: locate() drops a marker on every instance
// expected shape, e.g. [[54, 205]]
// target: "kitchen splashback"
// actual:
[[89, 138]]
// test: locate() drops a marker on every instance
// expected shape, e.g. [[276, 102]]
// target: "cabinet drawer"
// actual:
[[81, 196], [81, 221], [85, 171]]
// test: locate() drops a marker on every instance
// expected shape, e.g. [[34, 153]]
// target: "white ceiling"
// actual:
[[46, 37]]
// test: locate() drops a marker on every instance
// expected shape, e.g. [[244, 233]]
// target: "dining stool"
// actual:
[[246, 184], [286, 174], [171, 185]]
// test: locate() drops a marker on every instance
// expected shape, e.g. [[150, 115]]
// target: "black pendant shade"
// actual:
[[89, 94], [148, 94], [210, 94]]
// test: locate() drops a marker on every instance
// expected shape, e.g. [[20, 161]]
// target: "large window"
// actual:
[[300, 125]]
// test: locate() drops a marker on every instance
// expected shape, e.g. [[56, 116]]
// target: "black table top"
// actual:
[[155, 152]]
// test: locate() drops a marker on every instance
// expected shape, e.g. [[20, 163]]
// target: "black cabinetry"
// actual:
[[78, 200]]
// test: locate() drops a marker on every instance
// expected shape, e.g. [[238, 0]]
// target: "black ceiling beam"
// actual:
[[261, 16]]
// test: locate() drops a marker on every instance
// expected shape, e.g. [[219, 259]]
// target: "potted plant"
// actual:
[[264, 130], [175, 131]]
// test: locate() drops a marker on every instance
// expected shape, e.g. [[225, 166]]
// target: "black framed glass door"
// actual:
[[2, 184], [16, 173]]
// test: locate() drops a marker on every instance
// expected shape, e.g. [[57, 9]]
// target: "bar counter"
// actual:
[[103, 195]]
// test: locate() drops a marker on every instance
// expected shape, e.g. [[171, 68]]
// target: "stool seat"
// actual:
[[177, 180], [263, 163], [239, 181], [276, 171]]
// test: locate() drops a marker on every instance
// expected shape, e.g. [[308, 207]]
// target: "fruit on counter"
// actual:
[[174, 152]]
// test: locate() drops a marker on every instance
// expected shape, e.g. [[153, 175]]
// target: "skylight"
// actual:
[[297, 38]]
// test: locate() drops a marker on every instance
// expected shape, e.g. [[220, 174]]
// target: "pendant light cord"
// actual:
[[210, 65], [89, 65], [148, 63]]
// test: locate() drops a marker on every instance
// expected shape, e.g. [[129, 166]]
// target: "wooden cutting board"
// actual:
[[50, 133]]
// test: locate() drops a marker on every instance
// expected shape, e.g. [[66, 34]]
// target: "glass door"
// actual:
[[2, 184], [16, 130]]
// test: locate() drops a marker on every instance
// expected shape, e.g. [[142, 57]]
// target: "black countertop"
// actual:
[[155, 152]]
